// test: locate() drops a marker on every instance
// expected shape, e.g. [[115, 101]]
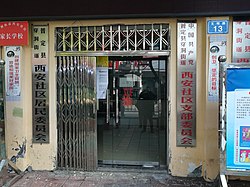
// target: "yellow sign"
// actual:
[[102, 61]]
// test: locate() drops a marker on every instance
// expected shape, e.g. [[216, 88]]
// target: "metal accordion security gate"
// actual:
[[76, 113]]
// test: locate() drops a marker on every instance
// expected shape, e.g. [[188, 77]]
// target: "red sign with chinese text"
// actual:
[[14, 33]]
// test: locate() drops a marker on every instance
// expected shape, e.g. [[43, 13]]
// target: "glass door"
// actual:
[[132, 117]]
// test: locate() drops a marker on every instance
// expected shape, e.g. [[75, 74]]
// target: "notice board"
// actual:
[[235, 119]]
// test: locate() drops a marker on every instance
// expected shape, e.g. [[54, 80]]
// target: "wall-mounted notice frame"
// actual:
[[40, 84], [235, 119], [186, 84]]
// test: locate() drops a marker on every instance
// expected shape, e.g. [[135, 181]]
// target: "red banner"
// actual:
[[14, 33]]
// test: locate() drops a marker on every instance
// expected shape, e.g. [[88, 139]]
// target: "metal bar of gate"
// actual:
[[78, 111], [59, 116], [65, 114], [82, 114], [85, 114]]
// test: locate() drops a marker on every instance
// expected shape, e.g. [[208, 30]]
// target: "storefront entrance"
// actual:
[[101, 117], [132, 116]]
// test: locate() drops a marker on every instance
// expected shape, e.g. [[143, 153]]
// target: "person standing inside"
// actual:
[[145, 107]]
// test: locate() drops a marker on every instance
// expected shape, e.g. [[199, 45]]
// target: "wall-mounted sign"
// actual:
[[102, 61], [217, 47], [217, 27], [40, 84], [14, 33], [186, 84], [241, 41], [13, 82]]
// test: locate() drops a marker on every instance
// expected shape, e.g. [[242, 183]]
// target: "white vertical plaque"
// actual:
[[217, 47], [40, 84], [186, 84]]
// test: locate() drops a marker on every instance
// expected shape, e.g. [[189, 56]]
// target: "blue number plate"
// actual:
[[217, 27]]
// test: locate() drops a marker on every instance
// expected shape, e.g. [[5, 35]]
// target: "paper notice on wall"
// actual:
[[242, 126], [102, 82]]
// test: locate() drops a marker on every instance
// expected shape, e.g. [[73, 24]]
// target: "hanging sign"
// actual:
[[40, 84], [14, 33], [186, 84]]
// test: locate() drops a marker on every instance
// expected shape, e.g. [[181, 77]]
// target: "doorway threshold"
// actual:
[[131, 169], [131, 166], [130, 163]]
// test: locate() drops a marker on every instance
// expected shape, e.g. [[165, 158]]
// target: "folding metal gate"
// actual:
[[76, 117]]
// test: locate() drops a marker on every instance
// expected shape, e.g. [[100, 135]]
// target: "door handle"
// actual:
[[108, 107], [117, 107]]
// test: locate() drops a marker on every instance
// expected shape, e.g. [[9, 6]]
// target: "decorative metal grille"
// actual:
[[150, 37]]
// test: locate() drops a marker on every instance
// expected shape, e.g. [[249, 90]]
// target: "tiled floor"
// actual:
[[128, 144]]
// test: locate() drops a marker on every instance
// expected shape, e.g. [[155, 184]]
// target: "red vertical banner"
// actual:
[[186, 84], [14, 33]]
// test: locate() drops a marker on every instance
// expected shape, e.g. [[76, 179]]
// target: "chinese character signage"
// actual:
[[186, 84], [217, 47], [40, 80], [14, 33], [13, 82], [241, 41], [238, 118]]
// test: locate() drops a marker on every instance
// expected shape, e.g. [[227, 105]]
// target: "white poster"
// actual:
[[13, 82], [102, 82], [242, 126]]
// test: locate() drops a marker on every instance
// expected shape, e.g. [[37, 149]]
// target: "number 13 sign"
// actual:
[[217, 27]]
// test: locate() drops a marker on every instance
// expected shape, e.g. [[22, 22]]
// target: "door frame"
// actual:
[[156, 56], [145, 54]]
